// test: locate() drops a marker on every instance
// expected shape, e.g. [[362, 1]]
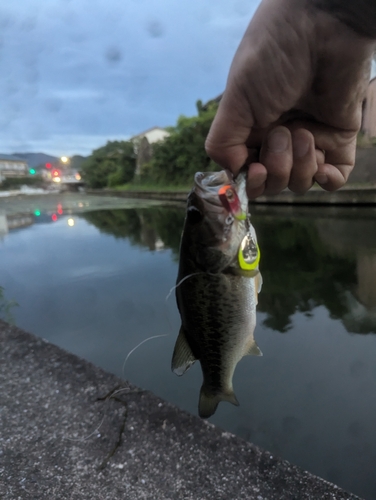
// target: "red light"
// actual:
[[48, 165], [54, 217], [59, 209], [56, 173]]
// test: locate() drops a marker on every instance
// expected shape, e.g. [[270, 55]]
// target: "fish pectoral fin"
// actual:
[[209, 401], [182, 358], [253, 350], [259, 282]]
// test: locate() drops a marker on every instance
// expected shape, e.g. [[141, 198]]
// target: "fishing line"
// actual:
[[185, 278], [114, 393], [138, 345], [124, 389], [180, 282]]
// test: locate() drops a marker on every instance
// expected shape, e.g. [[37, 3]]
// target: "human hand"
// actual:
[[292, 106]]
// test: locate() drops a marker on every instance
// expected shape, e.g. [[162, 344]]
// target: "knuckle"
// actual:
[[210, 148]]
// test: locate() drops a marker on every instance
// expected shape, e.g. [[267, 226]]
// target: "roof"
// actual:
[[11, 158], [148, 130]]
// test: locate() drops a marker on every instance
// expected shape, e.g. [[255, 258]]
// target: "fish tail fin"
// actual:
[[209, 401]]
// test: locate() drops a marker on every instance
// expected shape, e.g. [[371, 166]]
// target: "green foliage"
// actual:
[[182, 154], [119, 177], [363, 141], [76, 161], [112, 164]]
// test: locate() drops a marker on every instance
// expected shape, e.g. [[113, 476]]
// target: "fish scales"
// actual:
[[216, 298], [218, 316]]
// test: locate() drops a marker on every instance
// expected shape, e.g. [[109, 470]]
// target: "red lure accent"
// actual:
[[230, 200]]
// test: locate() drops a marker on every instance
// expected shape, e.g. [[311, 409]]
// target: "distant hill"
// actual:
[[39, 160], [36, 160]]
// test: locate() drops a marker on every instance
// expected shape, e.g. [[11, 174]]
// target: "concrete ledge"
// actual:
[[317, 196], [147, 195], [58, 441], [345, 196]]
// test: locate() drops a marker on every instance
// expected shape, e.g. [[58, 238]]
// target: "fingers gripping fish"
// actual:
[[217, 286]]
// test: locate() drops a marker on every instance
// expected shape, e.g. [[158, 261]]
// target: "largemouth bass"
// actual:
[[217, 286]]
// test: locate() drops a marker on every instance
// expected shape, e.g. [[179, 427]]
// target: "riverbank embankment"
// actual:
[[349, 195], [360, 189], [71, 430]]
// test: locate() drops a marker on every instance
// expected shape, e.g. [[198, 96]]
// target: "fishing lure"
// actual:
[[230, 200], [249, 252]]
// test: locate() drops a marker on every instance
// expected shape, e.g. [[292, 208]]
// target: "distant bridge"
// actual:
[[72, 181]]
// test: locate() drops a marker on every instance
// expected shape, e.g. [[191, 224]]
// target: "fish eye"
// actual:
[[194, 215]]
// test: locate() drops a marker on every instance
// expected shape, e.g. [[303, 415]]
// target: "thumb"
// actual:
[[228, 134]]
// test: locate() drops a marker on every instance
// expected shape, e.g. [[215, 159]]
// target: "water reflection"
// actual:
[[154, 229], [308, 260], [300, 273], [310, 257]]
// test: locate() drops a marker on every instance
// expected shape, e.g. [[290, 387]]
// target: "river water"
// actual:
[[91, 274]]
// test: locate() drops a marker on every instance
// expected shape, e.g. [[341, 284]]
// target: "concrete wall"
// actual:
[[369, 111], [365, 166]]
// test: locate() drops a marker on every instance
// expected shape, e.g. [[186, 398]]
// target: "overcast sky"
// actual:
[[76, 73]]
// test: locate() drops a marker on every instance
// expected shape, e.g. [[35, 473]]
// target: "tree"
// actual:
[[110, 165], [182, 154]]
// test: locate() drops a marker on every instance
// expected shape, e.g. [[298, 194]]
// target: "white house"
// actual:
[[142, 144], [153, 134], [12, 166]]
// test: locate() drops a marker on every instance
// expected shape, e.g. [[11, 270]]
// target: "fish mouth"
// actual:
[[206, 186]]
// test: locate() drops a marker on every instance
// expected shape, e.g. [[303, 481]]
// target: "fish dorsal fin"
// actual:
[[253, 349], [208, 401], [182, 357]]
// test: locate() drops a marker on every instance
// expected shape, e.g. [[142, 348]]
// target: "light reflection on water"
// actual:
[[98, 288]]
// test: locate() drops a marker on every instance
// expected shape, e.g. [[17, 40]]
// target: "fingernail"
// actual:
[[321, 178], [278, 142], [300, 148]]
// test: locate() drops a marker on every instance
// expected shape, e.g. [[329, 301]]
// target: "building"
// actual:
[[143, 145], [369, 111], [12, 166], [153, 134]]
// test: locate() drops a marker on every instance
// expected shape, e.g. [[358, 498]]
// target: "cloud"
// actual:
[[90, 68]]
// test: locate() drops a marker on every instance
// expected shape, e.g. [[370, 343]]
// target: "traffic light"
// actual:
[[32, 171], [48, 165]]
